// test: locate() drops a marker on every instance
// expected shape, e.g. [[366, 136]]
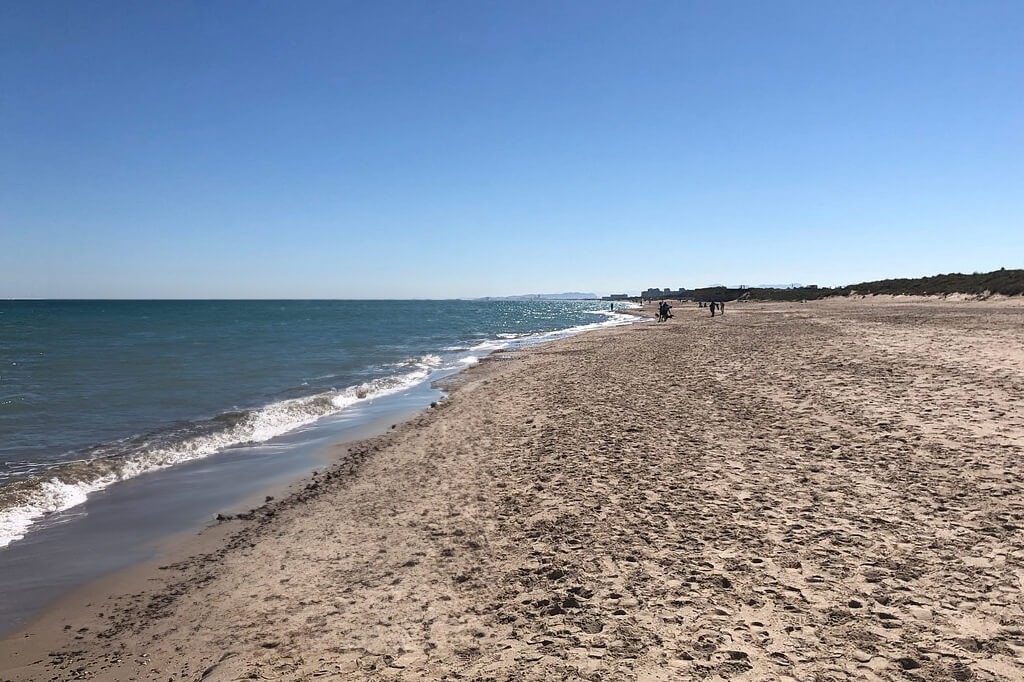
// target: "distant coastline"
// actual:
[[567, 296]]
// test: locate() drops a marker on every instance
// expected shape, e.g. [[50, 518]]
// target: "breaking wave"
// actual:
[[36, 494], [25, 501]]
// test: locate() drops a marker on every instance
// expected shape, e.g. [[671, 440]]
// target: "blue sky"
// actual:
[[446, 149]]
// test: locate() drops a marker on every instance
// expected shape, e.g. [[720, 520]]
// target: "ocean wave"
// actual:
[[505, 341], [29, 498], [26, 501], [489, 345]]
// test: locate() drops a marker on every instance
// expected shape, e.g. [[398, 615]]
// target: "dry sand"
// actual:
[[828, 491]]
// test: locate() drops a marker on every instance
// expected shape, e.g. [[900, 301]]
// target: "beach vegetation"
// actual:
[[998, 282]]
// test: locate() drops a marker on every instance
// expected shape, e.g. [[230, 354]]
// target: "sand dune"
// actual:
[[828, 491]]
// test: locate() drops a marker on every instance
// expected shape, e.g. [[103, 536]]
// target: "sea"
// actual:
[[110, 409]]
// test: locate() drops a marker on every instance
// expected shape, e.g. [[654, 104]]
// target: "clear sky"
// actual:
[[456, 149]]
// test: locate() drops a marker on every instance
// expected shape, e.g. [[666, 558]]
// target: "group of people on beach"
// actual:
[[665, 310], [713, 304]]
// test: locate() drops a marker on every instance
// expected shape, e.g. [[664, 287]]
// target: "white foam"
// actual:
[[257, 426], [490, 345], [49, 497], [508, 340], [55, 495], [431, 360]]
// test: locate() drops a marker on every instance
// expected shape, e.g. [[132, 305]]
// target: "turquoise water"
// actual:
[[97, 392]]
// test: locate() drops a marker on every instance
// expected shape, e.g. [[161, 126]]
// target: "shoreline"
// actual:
[[142, 557], [190, 498], [25, 643], [834, 494], [185, 545], [37, 494]]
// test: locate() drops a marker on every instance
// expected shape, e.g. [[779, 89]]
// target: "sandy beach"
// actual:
[[826, 491]]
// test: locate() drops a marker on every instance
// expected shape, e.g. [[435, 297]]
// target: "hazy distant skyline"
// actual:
[[465, 149]]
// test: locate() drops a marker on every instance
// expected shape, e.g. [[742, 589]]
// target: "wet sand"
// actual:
[[826, 491], [126, 524]]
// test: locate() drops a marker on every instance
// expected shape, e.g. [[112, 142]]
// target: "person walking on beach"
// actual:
[[721, 308], [712, 304]]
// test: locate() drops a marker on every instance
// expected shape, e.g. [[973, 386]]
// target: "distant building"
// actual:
[[616, 297], [655, 293]]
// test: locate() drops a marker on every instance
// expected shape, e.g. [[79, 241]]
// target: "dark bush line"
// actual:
[[1005, 282]]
